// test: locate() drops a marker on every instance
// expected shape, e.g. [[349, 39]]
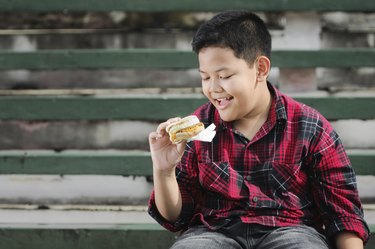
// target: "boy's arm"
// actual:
[[167, 195], [172, 218], [335, 189], [165, 156], [172, 202], [347, 240], [181, 196]]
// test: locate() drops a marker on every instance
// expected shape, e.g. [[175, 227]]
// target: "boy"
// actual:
[[276, 174]]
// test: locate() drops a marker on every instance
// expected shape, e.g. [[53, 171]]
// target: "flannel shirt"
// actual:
[[294, 171]]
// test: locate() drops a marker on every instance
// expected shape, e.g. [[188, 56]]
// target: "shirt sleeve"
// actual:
[[187, 178], [334, 185]]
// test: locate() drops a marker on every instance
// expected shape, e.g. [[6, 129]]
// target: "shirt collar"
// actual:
[[278, 106]]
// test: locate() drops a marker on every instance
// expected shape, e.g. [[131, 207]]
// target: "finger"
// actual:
[[162, 126], [154, 136], [172, 120]]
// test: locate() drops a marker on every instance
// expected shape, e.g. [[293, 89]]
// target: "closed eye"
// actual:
[[226, 77]]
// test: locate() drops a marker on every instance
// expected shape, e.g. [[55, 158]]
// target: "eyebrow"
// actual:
[[220, 69]]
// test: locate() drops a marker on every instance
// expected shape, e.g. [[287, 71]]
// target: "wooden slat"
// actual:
[[134, 236], [69, 236], [42, 236], [88, 108], [329, 58], [172, 59], [76, 163], [154, 108], [191, 5], [334, 108], [116, 163], [363, 161], [98, 58]]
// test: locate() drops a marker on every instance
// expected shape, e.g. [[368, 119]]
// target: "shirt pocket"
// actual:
[[289, 185], [220, 178]]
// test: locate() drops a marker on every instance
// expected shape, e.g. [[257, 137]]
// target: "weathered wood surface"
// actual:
[[172, 59], [153, 107], [191, 5], [126, 163]]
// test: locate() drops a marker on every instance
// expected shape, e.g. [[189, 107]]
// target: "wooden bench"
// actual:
[[146, 107]]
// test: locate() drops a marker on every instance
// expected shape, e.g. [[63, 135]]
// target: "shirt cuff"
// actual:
[[182, 221], [355, 225]]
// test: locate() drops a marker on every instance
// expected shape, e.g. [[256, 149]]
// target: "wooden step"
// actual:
[[191, 5], [172, 59], [153, 107], [126, 163]]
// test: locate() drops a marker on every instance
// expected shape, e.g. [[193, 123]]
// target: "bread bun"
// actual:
[[184, 129]]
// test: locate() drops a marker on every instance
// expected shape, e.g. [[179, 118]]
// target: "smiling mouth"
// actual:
[[223, 102]]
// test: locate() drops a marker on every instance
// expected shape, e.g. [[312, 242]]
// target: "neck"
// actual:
[[263, 100], [250, 124]]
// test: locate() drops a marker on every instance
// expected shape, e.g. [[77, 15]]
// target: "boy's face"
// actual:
[[228, 82]]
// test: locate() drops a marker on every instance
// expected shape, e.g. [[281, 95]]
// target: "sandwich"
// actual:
[[184, 129]]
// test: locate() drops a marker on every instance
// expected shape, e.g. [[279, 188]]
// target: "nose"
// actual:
[[215, 85]]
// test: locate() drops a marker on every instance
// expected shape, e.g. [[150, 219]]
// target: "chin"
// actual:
[[227, 118]]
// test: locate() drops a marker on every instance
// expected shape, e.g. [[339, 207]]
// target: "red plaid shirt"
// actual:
[[294, 171]]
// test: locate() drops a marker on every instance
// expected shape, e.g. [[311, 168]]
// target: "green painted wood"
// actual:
[[371, 242], [363, 161], [132, 236], [45, 236], [98, 58], [172, 59], [329, 58], [191, 5], [153, 107], [87, 226], [132, 108], [126, 163], [335, 108]]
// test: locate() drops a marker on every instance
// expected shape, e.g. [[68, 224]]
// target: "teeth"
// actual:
[[227, 98]]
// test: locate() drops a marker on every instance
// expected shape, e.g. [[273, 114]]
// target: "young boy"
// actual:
[[276, 174]]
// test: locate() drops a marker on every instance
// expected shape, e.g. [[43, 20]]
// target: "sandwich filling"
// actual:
[[184, 129]]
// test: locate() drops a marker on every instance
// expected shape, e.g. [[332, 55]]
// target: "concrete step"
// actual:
[[82, 189], [12, 214], [66, 216]]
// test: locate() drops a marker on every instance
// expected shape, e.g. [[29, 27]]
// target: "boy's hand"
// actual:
[[165, 155]]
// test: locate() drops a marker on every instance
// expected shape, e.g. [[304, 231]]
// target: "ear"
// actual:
[[263, 66]]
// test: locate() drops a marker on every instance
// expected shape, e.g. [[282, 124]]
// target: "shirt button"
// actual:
[[248, 178], [255, 199]]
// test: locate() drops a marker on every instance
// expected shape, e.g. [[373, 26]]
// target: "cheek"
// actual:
[[232, 87], [205, 90]]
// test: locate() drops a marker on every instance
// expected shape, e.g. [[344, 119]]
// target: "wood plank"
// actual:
[[132, 236], [363, 161], [191, 5], [172, 59], [329, 58], [76, 163], [150, 108], [98, 58], [126, 163], [153, 107], [46, 236]]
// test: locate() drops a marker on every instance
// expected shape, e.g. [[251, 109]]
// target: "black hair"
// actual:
[[244, 32]]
